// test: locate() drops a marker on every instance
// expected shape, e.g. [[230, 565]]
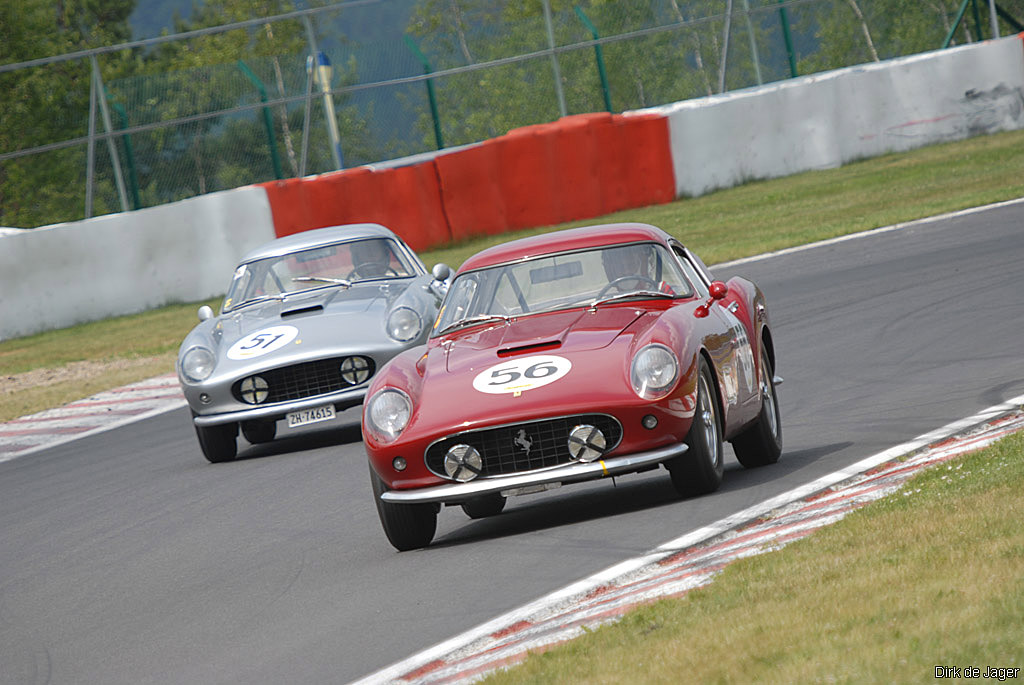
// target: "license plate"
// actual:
[[314, 415]]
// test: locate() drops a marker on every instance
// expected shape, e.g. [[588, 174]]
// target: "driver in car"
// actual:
[[371, 259], [629, 268]]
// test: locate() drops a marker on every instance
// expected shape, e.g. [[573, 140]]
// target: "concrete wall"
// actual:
[[832, 118], [117, 264]]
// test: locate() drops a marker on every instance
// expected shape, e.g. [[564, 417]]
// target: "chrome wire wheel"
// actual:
[[768, 397], [761, 443], [709, 423], [699, 470]]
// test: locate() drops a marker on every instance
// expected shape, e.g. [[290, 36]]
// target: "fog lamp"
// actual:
[[254, 389], [463, 463], [586, 443]]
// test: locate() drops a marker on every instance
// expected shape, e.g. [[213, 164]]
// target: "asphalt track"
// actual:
[[126, 558]]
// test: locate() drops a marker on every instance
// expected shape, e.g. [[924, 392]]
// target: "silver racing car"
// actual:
[[306, 322]]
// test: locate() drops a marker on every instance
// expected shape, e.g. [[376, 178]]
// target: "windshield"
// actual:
[[565, 280], [327, 266]]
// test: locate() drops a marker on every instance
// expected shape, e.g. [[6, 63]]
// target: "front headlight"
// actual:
[[197, 364], [388, 413], [653, 372], [404, 325]]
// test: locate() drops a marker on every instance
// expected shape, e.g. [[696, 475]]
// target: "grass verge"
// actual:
[[932, 575], [738, 222]]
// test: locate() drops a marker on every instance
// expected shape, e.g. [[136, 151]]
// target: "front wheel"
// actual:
[[257, 432], [407, 526], [699, 470], [219, 442], [484, 505], [761, 443]]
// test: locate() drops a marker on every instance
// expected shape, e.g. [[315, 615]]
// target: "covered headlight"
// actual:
[[404, 324], [654, 371], [388, 413], [197, 364]]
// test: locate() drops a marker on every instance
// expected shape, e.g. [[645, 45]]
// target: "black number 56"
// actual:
[[538, 370]]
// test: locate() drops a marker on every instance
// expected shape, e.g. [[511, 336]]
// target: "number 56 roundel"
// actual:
[[522, 374]]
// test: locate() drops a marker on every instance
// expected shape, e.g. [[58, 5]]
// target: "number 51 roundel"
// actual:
[[263, 342], [517, 375]]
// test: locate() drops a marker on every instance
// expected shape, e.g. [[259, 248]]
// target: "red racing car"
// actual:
[[567, 357]]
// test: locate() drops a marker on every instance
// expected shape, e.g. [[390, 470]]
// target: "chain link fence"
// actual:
[[365, 81]]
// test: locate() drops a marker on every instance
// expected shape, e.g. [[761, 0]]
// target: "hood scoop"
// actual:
[[311, 309], [533, 347]]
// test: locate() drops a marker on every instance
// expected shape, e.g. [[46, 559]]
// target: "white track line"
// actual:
[[869, 233], [562, 615], [101, 412]]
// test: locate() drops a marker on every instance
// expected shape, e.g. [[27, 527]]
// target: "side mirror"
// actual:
[[205, 313], [441, 271], [718, 291]]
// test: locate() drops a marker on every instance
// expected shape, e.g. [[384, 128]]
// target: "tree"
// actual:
[[50, 103]]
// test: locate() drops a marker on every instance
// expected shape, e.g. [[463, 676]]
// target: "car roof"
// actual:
[[315, 238], [564, 241]]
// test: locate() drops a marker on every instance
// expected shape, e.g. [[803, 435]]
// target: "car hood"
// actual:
[[562, 332], [462, 377], [329, 319]]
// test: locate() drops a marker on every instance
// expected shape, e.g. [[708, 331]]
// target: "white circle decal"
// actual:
[[517, 375], [263, 342]]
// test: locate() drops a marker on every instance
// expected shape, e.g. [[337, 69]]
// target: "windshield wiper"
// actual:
[[634, 293], [322, 279], [480, 318], [256, 300]]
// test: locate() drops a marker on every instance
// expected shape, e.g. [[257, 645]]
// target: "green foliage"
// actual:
[[51, 103], [196, 124]]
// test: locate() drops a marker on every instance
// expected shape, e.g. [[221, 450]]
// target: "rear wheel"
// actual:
[[407, 526], [699, 470], [259, 431], [761, 443], [484, 506], [219, 442]]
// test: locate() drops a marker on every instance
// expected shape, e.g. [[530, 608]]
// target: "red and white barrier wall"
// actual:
[[576, 168], [579, 167]]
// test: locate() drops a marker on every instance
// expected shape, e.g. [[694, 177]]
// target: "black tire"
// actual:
[[484, 506], [408, 526], [257, 432], [218, 442], [761, 443], [699, 470]]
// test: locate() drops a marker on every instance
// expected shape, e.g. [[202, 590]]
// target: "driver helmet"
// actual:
[[371, 258], [629, 260]]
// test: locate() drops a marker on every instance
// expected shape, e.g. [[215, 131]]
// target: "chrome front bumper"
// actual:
[[341, 400], [570, 473]]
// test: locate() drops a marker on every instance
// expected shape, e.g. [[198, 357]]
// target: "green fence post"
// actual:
[[977, 18], [788, 38], [956, 24], [268, 121], [431, 97], [598, 56], [129, 153]]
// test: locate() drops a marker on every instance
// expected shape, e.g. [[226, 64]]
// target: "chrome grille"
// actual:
[[503, 448], [299, 381]]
